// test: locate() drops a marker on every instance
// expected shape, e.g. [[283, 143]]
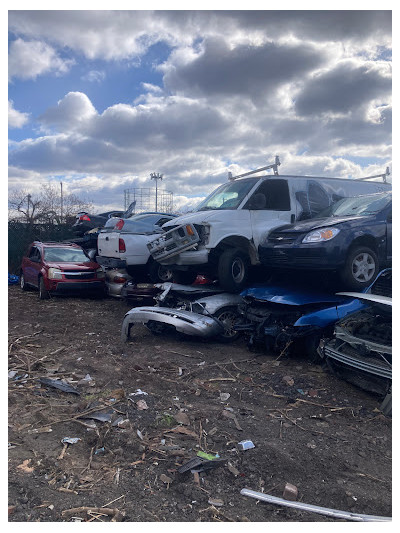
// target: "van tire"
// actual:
[[360, 269], [159, 273], [233, 270], [43, 292], [185, 277]]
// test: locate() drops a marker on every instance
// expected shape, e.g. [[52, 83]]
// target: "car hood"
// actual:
[[316, 223], [282, 294], [88, 265], [199, 217]]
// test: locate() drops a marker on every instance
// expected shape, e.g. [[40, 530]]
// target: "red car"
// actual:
[[60, 268]]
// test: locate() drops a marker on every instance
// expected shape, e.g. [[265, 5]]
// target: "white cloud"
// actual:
[[16, 119], [29, 59], [96, 76], [70, 113]]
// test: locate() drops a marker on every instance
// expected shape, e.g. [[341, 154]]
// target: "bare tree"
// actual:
[[44, 206]]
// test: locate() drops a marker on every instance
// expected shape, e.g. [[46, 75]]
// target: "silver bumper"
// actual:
[[183, 321], [191, 257]]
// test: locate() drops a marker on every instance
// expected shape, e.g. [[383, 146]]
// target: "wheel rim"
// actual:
[[238, 270], [164, 274], [227, 318], [363, 267], [22, 281]]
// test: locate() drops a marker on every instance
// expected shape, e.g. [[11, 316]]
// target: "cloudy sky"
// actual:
[[99, 99]]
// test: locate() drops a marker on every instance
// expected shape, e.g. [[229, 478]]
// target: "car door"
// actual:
[[270, 206], [32, 266]]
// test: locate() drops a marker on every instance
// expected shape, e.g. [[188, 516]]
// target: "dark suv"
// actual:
[[352, 236], [60, 268]]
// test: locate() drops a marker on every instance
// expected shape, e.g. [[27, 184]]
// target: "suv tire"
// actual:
[[361, 268], [22, 282], [233, 270], [43, 292]]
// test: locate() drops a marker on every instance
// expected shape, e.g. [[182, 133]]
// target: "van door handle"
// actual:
[[292, 219]]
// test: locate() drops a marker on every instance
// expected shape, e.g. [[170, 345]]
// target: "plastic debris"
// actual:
[[100, 451], [70, 440], [138, 393], [224, 396], [58, 384], [12, 374], [139, 434], [245, 445], [13, 279], [199, 464], [208, 456]]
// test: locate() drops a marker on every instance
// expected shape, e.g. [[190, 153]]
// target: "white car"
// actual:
[[124, 245]]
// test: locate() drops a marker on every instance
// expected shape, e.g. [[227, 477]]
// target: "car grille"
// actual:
[[282, 238], [383, 285], [79, 275]]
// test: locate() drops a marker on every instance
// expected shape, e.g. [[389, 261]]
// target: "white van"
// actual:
[[222, 235]]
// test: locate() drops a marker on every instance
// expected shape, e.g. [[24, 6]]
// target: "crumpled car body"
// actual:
[[192, 310], [279, 315], [361, 347], [115, 279]]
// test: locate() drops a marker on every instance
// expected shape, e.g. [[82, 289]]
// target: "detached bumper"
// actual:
[[183, 321]]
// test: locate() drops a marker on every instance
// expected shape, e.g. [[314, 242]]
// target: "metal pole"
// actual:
[[156, 176], [61, 218]]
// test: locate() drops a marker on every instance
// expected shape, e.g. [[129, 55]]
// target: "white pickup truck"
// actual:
[[221, 237], [124, 245]]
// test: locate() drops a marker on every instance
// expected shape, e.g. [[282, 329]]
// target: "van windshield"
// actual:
[[228, 196], [359, 206]]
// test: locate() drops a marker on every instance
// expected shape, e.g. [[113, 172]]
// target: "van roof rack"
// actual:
[[277, 163], [273, 165]]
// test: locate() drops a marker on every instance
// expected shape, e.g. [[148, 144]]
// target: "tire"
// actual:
[[159, 273], [227, 315], [22, 283], [233, 270], [361, 268], [311, 343], [43, 292], [185, 277]]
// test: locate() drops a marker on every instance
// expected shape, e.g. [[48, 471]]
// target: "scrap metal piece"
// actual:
[[58, 384], [199, 464], [183, 321], [334, 513]]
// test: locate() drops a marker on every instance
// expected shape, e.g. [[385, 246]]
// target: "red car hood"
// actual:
[[88, 265]]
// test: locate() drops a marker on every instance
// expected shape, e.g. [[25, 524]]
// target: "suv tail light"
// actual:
[[85, 217], [121, 245], [119, 224]]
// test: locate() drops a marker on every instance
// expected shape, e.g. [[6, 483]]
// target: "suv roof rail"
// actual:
[[273, 165]]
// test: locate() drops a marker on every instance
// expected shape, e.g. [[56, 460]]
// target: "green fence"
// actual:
[[20, 236]]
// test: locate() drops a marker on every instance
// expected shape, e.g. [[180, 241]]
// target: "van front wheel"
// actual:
[[233, 270]]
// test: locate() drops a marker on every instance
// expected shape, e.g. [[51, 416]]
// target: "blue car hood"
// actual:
[[290, 295]]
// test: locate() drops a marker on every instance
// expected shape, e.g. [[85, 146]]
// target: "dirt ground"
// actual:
[[309, 428]]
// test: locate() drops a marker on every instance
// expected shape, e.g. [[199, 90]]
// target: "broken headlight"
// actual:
[[204, 233], [321, 235]]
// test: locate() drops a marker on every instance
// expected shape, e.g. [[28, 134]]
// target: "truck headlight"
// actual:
[[54, 273], [321, 235]]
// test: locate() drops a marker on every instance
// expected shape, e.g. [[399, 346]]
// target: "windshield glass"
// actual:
[[228, 196], [359, 206], [65, 255]]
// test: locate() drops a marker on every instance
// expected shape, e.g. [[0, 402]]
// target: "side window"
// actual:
[[162, 221], [271, 195], [34, 254]]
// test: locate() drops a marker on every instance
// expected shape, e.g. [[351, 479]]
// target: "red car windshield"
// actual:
[[65, 255]]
